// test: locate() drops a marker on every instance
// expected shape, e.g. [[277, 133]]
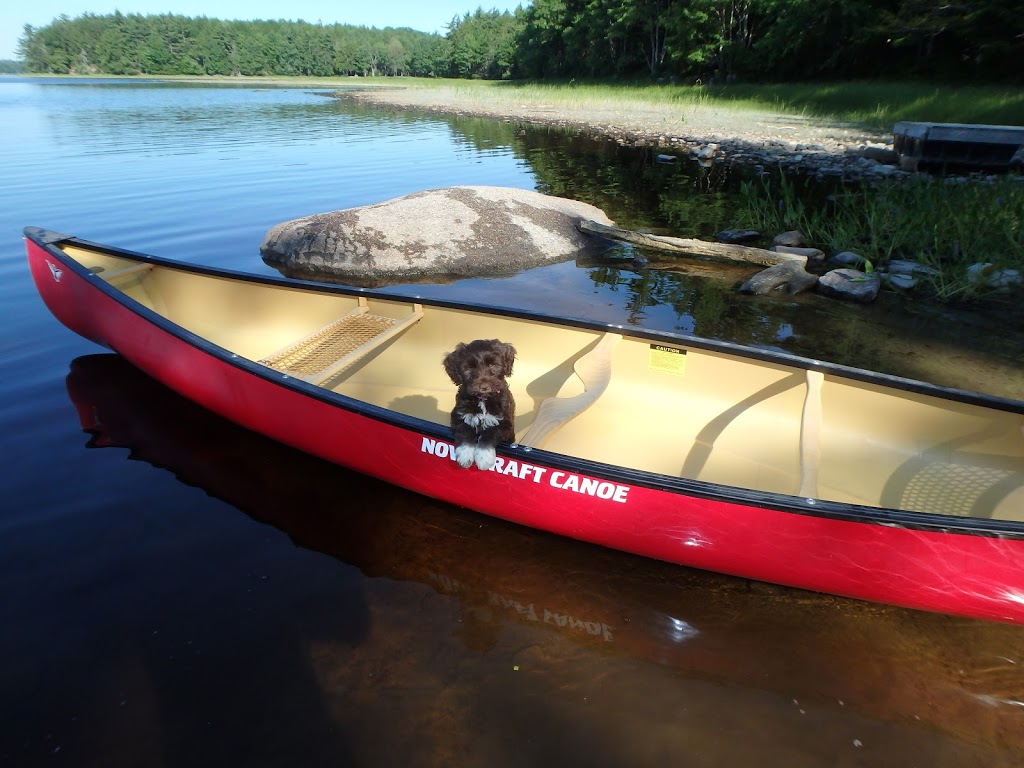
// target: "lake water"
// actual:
[[179, 591]]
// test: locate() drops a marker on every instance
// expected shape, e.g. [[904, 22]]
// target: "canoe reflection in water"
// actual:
[[662, 626]]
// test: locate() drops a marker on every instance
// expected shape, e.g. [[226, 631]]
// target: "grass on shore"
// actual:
[[880, 105], [945, 225], [875, 105]]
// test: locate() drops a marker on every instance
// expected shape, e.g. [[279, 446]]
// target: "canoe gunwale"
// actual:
[[832, 510]]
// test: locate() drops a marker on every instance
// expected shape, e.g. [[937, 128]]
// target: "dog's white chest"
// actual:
[[480, 420]]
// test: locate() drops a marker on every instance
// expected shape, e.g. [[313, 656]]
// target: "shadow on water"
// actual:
[[472, 641]]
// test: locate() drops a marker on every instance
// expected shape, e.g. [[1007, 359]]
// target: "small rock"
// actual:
[[908, 163], [880, 154], [885, 170], [734, 236], [665, 159], [994, 277], [788, 277], [792, 238], [850, 284], [909, 267], [707, 152], [847, 259], [813, 255], [901, 281]]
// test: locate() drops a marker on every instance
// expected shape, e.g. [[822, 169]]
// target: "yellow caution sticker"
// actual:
[[667, 359]]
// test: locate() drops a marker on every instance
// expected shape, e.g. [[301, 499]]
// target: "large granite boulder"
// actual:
[[452, 232]]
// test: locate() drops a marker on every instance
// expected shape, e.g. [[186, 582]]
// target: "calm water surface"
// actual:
[[178, 591]]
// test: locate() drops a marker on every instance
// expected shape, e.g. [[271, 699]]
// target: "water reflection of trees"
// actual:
[[638, 191], [628, 183], [698, 305]]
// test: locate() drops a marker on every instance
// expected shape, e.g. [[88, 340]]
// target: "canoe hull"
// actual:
[[695, 524]]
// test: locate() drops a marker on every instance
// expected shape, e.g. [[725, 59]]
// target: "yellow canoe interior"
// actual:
[[610, 397]]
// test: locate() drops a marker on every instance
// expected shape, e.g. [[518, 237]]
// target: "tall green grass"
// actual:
[[873, 105], [880, 105], [945, 225]]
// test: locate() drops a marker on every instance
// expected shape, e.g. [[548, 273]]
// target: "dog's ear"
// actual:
[[451, 364], [508, 356]]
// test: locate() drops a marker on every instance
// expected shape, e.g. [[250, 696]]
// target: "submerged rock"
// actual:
[[901, 281], [850, 284], [453, 232], [792, 239], [737, 235], [990, 275], [789, 277], [909, 267], [812, 255], [847, 259]]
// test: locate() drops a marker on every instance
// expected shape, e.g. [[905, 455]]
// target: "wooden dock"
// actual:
[[942, 146]]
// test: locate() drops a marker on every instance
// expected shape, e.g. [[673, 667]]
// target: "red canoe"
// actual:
[[702, 453]]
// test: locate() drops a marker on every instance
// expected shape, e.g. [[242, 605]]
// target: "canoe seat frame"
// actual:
[[329, 350], [595, 371]]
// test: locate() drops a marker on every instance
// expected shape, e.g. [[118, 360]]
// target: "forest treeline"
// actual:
[[707, 40]]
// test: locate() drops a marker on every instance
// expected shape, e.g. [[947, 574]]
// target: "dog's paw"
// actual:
[[484, 458], [464, 455]]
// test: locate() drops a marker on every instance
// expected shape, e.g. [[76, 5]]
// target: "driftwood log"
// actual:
[[681, 245]]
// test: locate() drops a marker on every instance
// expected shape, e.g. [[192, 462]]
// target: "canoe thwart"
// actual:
[[331, 349], [595, 371]]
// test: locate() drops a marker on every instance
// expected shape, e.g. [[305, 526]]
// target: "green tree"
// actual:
[[32, 50], [394, 57]]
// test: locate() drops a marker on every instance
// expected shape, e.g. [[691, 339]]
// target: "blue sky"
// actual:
[[425, 15]]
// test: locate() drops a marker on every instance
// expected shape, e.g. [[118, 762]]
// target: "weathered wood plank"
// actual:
[[992, 146], [689, 246]]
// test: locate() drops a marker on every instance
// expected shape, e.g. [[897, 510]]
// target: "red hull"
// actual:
[[979, 575]]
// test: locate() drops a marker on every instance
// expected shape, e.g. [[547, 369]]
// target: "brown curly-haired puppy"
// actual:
[[484, 413]]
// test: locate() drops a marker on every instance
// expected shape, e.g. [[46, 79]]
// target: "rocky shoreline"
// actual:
[[708, 134]]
